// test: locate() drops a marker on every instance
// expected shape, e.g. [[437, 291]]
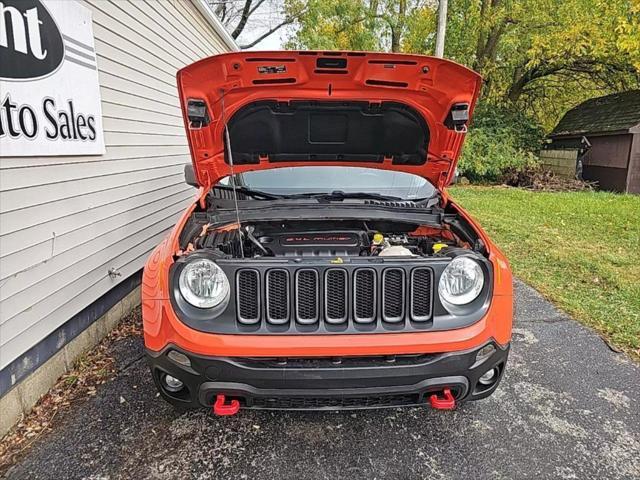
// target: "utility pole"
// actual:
[[442, 27]]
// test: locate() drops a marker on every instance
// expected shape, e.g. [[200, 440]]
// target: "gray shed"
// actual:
[[611, 124]]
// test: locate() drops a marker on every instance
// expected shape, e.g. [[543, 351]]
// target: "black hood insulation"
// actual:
[[328, 131]]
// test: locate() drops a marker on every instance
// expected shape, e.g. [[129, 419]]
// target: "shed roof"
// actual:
[[619, 111]]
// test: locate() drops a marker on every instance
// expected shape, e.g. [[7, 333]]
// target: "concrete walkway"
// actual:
[[568, 407]]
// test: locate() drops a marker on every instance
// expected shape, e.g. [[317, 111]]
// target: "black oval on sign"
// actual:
[[34, 46]]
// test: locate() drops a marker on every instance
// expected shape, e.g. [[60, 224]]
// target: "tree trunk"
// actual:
[[488, 37], [516, 89], [398, 28], [481, 35], [243, 19]]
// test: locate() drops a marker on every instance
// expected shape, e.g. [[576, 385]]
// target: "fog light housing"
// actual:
[[172, 384], [489, 378]]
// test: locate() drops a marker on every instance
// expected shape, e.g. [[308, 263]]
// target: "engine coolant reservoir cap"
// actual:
[[378, 238]]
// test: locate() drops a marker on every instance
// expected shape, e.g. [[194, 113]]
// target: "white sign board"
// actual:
[[49, 90]]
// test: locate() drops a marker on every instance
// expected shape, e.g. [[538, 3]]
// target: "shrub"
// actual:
[[499, 140]]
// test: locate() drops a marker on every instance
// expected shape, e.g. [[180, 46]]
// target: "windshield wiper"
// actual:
[[340, 195], [251, 193], [336, 195]]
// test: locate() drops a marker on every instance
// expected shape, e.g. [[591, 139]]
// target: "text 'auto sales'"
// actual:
[[59, 123]]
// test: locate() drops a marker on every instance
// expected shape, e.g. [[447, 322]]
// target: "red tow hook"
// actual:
[[222, 409], [446, 403]]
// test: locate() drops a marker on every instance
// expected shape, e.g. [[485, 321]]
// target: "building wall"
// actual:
[[562, 162], [607, 161], [633, 176], [65, 221]]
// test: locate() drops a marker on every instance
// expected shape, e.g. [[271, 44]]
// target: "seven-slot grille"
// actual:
[[308, 295]]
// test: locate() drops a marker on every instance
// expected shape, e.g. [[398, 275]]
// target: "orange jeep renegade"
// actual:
[[322, 264]]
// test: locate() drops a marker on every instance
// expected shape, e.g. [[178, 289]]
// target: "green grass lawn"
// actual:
[[579, 249]]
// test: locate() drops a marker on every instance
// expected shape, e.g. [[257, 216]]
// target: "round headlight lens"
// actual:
[[203, 283], [461, 282]]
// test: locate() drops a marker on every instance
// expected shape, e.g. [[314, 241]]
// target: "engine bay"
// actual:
[[298, 267], [314, 238]]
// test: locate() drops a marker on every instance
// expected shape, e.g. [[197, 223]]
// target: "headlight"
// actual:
[[461, 282], [203, 283]]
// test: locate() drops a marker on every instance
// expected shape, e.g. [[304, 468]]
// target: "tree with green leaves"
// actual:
[[540, 56]]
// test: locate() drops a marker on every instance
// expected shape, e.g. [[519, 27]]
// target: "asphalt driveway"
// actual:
[[569, 407]]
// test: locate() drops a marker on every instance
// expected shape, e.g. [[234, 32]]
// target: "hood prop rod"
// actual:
[[227, 140]]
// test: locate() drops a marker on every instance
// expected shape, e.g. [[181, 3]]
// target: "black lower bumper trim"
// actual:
[[325, 383], [320, 399]]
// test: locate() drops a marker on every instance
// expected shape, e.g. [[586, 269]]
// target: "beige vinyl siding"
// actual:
[[65, 221]]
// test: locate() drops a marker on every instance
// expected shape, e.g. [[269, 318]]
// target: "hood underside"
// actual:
[[395, 112]]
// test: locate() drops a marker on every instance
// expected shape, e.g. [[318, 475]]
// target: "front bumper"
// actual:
[[322, 383]]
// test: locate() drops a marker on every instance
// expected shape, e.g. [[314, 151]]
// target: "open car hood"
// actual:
[[389, 111]]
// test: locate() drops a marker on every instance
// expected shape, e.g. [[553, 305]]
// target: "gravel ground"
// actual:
[[568, 408]]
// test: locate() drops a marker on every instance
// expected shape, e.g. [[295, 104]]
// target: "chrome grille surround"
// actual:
[[336, 294], [248, 296], [421, 294], [307, 292], [393, 294], [277, 296], [365, 295]]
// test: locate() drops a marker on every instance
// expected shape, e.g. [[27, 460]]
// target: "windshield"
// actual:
[[300, 180]]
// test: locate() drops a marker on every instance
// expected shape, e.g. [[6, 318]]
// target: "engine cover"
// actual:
[[316, 244]]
